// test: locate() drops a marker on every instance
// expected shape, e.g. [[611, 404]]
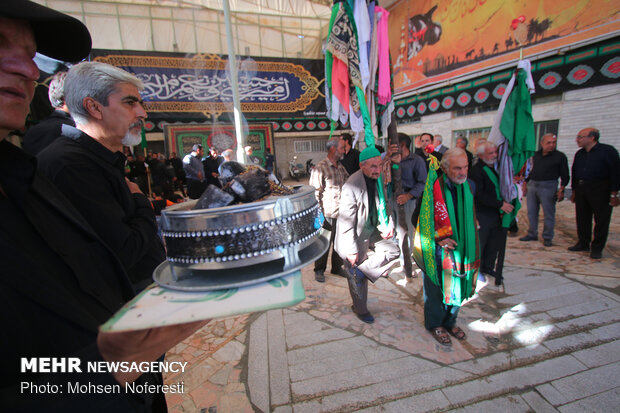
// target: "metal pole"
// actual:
[[232, 64]]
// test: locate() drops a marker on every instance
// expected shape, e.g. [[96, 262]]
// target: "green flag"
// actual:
[[517, 123]]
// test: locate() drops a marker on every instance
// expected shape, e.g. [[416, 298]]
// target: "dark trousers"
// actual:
[[321, 263], [490, 236], [436, 313], [592, 200], [195, 188]]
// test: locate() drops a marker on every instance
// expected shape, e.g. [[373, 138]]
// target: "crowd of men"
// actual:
[[365, 246]]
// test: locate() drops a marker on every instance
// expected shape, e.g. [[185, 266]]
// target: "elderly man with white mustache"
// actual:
[[86, 163]]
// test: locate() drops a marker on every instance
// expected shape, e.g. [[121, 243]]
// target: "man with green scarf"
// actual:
[[446, 245], [493, 213], [362, 226]]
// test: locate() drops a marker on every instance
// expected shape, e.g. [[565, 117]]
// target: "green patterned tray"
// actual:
[[158, 307]]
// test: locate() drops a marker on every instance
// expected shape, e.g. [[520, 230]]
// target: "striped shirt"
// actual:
[[328, 179]]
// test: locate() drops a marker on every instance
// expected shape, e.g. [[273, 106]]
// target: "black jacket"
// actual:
[[39, 136], [59, 282], [92, 178], [487, 204]]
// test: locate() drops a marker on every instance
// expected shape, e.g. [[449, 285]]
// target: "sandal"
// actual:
[[441, 335], [457, 332]]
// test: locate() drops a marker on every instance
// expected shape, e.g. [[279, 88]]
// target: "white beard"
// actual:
[[131, 139]]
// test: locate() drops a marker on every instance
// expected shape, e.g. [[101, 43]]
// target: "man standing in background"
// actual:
[[328, 177], [595, 184], [541, 188], [44, 132], [351, 159], [195, 172]]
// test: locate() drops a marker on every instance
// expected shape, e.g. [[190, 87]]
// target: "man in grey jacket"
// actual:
[[358, 230]]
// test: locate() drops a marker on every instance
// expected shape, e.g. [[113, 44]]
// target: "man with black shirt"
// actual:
[[541, 188], [595, 184], [358, 230], [351, 159], [87, 165]]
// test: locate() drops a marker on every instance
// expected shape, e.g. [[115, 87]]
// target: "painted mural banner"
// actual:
[[436, 40], [589, 66]]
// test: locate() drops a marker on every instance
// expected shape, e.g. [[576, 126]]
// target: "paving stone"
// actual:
[[537, 403], [258, 364], [221, 377], [232, 351], [426, 402], [512, 380], [311, 369], [304, 326], [512, 404], [590, 321], [378, 373], [551, 394], [321, 336], [535, 282], [560, 301], [486, 364], [609, 332], [328, 350], [587, 383], [572, 342], [601, 403], [283, 409], [280, 392], [584, 308], [543, 294], [391, 389], [599, 355]]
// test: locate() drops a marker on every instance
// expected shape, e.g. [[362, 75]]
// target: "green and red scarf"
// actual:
[[457, 272]]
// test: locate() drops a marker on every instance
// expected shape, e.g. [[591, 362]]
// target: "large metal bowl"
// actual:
[[242, 235]]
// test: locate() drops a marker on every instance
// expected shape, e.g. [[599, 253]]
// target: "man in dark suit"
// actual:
[[59, 280], [438, 144], [44, 132], [489, 209], [461, 142]]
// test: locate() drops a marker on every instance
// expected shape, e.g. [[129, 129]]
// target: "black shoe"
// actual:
[[579, 247], [319, 276], [528, 238], [367, 318], [547, 243], [499, 281], [596, 255]]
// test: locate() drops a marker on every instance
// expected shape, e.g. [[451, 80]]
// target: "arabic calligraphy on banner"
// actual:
[[202, 83]]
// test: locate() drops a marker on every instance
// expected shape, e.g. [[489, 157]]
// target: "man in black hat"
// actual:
[[59, 281]]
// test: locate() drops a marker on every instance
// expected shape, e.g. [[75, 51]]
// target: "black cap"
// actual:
[[58, 35]]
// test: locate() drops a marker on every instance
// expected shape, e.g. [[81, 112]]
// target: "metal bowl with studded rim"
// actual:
[[242, 244]]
